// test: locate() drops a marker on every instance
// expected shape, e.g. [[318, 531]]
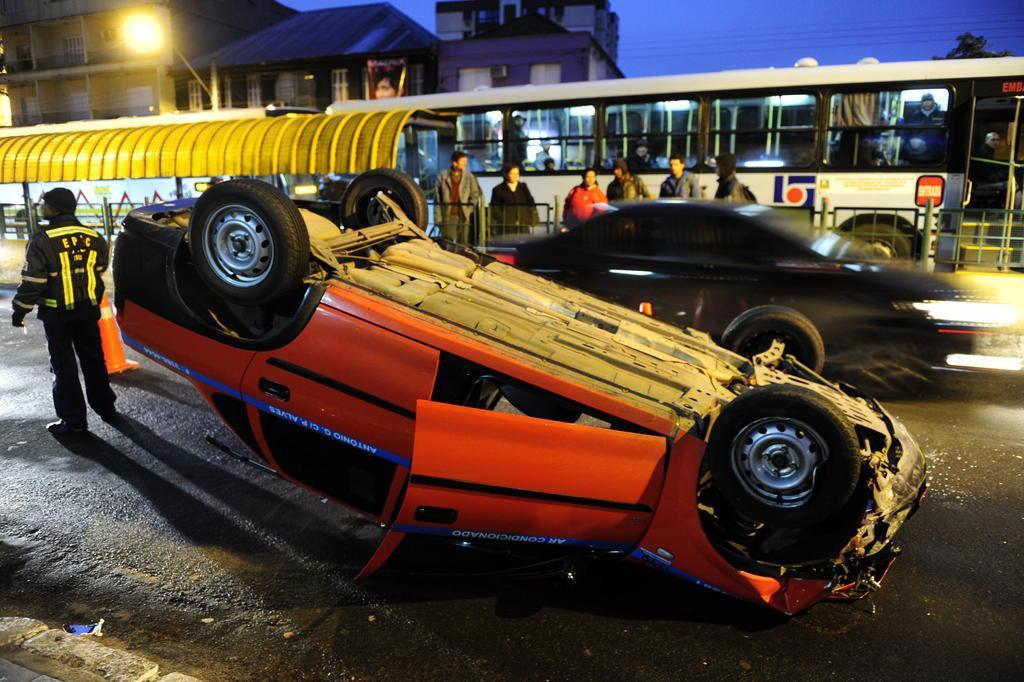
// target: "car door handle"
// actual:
[[274, 389]]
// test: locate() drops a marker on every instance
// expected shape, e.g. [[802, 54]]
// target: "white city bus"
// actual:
[[857, 137]]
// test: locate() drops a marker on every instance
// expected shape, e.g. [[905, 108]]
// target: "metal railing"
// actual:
[[493, 225], [105, 218], [983, 238]]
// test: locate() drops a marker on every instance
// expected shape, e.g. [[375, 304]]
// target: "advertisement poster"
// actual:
[[386, 78]]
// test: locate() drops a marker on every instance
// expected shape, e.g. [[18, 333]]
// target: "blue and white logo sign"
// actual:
[[794, 190]]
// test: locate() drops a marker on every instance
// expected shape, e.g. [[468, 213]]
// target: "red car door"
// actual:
[[479, 474], [336, 408]]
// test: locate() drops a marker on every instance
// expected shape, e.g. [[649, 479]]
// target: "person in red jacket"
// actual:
[[583, 199]]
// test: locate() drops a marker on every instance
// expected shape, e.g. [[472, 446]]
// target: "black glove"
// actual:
[[18, 318]]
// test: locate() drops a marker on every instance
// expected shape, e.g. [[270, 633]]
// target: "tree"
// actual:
[[970, 46]]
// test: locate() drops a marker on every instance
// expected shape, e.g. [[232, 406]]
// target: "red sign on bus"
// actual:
[[1013, 86], [929, 187]]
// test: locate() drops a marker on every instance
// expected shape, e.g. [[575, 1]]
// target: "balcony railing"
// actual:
[[61, 61]]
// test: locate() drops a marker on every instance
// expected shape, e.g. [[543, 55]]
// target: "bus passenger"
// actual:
[[543, 156], [679, 184], [457, 192], [989, 173], [512, 204], [549, 165], [640, 159], [625, 186], [517, 150], [924, 147], [583, 200]]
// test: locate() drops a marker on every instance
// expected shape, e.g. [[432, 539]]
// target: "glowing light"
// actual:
[[142, 33], [305, 189], [634, 273], [969, 312], [985, 362]]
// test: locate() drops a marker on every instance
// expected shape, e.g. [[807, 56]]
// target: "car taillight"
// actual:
[[646, 308], [509, 258]]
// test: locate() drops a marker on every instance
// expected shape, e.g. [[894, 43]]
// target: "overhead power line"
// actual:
[[665, 54]]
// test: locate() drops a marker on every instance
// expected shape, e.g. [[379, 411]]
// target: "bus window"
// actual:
[[888, 128], [479, 134], [764, 132], [552, 139], [646, 134]]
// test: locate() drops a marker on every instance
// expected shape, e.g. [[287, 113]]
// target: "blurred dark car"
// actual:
[[748, 275]]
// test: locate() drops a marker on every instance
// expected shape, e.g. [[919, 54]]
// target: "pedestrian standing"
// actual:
[[729, 186], [457, 192], [625, 186], [679, 184], [583, 200], [63, 272], [512, 204]]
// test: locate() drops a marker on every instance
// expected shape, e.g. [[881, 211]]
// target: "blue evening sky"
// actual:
[[679, 36]]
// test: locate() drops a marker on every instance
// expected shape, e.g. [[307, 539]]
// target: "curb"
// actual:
[[32, 652]]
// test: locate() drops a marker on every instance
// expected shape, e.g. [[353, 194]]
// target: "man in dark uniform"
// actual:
[[63, 268]]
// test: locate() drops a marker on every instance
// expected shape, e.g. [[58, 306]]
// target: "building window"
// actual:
[[74, 50], [225, 96], [141, 101], [416, 84], [339, 85], [195, 96], [30, 110], [285, 90], [664, 128], [479, 134], [565, 135], [23, 56], [253, 87], [474, 78], [545, 74]]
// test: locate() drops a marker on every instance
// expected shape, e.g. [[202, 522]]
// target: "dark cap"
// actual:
[[927, 96], [61, 200]]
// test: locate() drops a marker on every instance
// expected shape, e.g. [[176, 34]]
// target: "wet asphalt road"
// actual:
[[154, 530]]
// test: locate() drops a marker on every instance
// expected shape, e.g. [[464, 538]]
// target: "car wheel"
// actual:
[[753, 331], [784, 455], [248, 241], [359, 205]]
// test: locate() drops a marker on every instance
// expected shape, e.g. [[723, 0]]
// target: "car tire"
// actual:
[[785, 456], [360, 209], [248, 241], [753, 330]]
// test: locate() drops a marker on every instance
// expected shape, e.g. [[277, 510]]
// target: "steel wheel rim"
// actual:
[[238, 245], [777, 460]]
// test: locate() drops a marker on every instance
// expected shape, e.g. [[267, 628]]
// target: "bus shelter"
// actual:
[[288, 145]]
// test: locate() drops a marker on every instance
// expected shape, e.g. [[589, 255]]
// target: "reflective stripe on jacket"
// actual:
[[63, 268]]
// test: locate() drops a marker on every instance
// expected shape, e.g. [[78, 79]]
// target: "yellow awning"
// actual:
[[296, 143]]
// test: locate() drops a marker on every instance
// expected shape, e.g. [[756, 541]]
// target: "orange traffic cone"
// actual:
[[113, 349]]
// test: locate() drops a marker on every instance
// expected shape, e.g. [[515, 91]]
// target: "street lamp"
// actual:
[[143, 34]]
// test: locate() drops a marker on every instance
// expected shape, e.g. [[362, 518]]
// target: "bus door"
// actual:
[[996, 154]]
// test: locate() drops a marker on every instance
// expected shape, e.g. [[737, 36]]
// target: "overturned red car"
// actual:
[[457, 399]]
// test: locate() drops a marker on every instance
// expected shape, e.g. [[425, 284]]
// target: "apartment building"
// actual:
[[68, 60], [315, 58], [456, 20], [530, 50]]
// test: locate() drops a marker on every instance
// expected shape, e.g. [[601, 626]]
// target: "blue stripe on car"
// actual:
[[315, 427], [504, 536], [651, 559]]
